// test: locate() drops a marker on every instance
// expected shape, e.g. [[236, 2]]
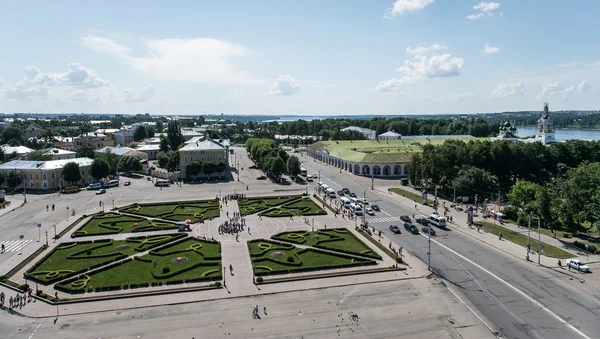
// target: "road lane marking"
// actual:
[[382, 211], [37, 328], [531, 300]]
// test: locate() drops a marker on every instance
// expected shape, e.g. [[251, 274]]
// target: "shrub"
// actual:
[[113, 223], [567, 235], [290, 259], [216, 284], [259, 279], [591, 248], [89, 252], [166, 270]]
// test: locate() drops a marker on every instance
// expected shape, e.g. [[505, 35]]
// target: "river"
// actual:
[[564, 134]]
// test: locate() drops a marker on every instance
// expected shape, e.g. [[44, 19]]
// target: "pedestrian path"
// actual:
[[378, 220], [15, 245]]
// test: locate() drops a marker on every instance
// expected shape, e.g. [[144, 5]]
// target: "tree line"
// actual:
[[271, 158]]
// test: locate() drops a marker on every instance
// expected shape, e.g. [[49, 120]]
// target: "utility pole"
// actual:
[[429, 249], [435, 200], [46, 238], [372, 180], [539, 241], [54, 233], [24, 187], [528, 237], [364, 207]]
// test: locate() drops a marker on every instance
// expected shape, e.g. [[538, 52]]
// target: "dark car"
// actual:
[[422, 221], [375, 207], [127, 183], [405, 218], [340, 193], [427, 229], [353, 195], [262, 177], [346, 191], [395, 229], [411, 228]]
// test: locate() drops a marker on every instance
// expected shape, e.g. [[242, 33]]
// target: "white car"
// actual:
[[315, 175], [370, 211], [578, 265]]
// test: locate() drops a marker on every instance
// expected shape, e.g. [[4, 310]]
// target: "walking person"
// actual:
[[3, 249]]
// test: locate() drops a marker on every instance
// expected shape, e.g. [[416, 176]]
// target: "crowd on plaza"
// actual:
[[233, 225], [19, 300]]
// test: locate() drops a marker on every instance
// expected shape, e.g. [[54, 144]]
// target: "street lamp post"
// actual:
[[313, 224], [67, 212], [54, 233], [113, 205], [224, 269], [364, 207], [539, 241]]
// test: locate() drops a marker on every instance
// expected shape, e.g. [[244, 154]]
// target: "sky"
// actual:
[[299, 57]]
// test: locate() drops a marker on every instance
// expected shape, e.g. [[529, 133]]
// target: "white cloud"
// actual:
[[142, 96], [284, 85], [488, 49], [422, 68], [202, 60], [420, 50], [484, 9], [456, 97], [503, 91], [402, 6], [556, 88]]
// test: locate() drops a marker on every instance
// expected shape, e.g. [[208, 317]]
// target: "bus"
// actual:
[[437, 220], [112, 183], [303, 171], [162, 182], [70, 189]]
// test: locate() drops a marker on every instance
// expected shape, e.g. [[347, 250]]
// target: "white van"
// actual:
[[345, 202], [309, 178], [324, 187], [95, 186], [437, 220]]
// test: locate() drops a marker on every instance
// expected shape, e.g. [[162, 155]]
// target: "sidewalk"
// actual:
[[16, 201]]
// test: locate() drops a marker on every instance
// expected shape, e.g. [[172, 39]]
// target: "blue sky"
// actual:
[[302, 57]]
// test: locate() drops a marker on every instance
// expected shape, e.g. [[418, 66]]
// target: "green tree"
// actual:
[[130, 163], [13, 136], [39, 155], [522, 198], [100, 169], [151, 131], [85, 151], [140, 133], [580, 195], [2, 178], [112, 160], [71, 172], [162, 159], [13, 179], [159, 126], [220, 167], [193, 168], [208, 168], [472, 180], [293, 166], [173, 162], [174, 134], [164, 144], [276, 166]]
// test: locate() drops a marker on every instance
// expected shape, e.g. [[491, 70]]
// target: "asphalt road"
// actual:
[[519, 298]]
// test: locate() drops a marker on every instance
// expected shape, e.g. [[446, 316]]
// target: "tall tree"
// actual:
[[293, 166], [130, 163], [193, 168], [71, 172], [2, 178], [13, 136], [162, 159], [100, 169], [208, 168], [39, 155], [112, 160], [13, 179], [173, 162], [174, 134], [140, 133], [164, 144], [276, 166], [151, 131], [85, 151]]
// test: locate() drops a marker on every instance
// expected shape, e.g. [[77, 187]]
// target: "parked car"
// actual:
[[395, 229], [370, 211], [315, 175], [405, 218], [411, 228], [102, 191], [578, 265], [346, 190], [422, 221], [353, 195], [427, 229], [262, 177], [340, 193], [127, 183], [375, 207]]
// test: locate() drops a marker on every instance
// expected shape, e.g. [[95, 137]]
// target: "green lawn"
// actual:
[[187, 261], [271, 258], [177, 211], [113, 223], [416, 197], [337, 239], [521, 239], [304, 207], [253, 205], [72, 258]]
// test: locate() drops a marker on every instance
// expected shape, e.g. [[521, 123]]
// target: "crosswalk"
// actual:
[[378, 220], [15, 245]]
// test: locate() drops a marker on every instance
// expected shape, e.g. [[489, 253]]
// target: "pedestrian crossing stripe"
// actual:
[[15, 245], [382, 219]]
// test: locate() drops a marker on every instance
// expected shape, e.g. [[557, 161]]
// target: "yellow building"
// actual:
[[47, 175], [203, 151]]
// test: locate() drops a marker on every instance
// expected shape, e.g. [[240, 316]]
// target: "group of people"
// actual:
[[19, 300], [255, 314], [48, 207], [234, 225], [233, 196]]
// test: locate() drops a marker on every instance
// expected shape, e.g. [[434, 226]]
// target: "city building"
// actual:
[[202, 151], [47, 175], [545, 128], [191, 132], [123, 137], [63, 143], [150, 149], [20, 151], [389, 135], [94, 140], [59, 154], [124, 151], [368, 133]]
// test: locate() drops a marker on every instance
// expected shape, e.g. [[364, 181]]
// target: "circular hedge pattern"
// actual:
[[179, 260]]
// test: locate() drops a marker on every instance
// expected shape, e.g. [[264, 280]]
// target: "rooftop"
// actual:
[[8, 150], [120, 151], [57, 151], [207, 144], [44, 165], [149, 147], [390, 134]]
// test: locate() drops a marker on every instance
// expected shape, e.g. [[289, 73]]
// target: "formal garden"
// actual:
[[335, 239], [113, 223], [301, 207], [72, 258], [186, 260], [176, 211], [271, 257], [253, 205]]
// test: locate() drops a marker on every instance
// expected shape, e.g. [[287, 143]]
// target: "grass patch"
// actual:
[[304, 207], [270, 257], [521, 239], [177, 211], [189, 260], [336, 239], [416, 197], [112, 223], [254, 205], [381, 247], [72, 258]]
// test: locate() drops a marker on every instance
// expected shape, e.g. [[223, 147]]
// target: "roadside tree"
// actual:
[[71, 172]]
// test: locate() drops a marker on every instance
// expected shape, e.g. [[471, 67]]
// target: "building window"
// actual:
[[31, 185], [53, 175], [36, 177], [185, 159], [44, 176], [45, 185], [53, 184], [30, 176], [37, 185]]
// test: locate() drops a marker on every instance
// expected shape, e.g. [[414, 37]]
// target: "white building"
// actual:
[[545, 128], [368, 133], [150, 149], [124, 151], [389, 135], [123, 137], [59, 154], [21, 151]]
